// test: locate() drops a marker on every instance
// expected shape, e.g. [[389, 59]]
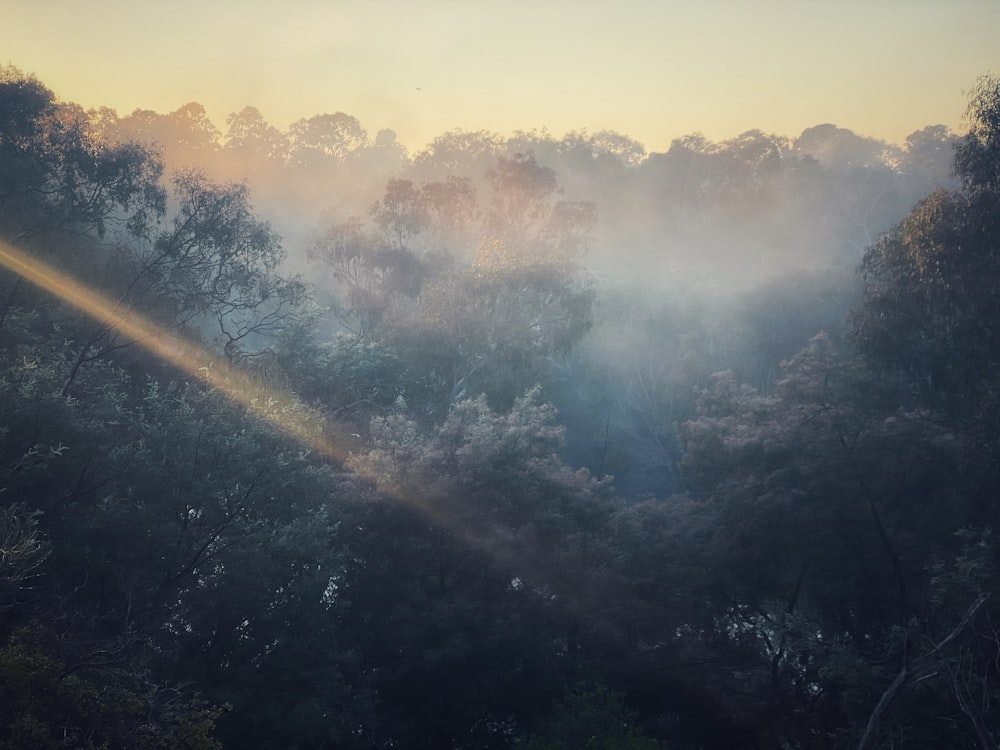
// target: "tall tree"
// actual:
[[58, 179], [930, 296], [327, 137]]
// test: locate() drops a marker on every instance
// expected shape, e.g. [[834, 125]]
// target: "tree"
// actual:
[[591, 719], [195, 132], [823, 545], [977, 155], [372, 274], [453, 212], [492, 330], [628, 150], [840, 148], [524, 298], [930, 158], [217, 265], [251, 138], [186, 539], [524, 224], [467, 583], [926, 321], [44, 705], [22, 552], [930, 294], [458, 152], [323, 138], [488, 327], [400, 214], [58, 178], [185, 138], [76, 644]]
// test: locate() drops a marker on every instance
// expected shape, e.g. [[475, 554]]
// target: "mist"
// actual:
[[510, 441], [753, 241]]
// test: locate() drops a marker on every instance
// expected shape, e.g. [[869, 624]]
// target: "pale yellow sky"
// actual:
[[654, 70]]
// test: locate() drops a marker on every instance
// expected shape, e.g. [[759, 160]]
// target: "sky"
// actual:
[[651, 69]]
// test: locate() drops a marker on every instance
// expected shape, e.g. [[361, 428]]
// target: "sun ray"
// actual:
[[280, 407], [276, 405], [579, 595]]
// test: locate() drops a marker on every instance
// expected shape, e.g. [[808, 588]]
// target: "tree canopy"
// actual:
[[425, 470]]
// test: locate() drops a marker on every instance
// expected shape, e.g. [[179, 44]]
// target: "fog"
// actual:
[[753, 242], [515, 440], [743, 210]]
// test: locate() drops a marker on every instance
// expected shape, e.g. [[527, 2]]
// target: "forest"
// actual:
[[307, 441]]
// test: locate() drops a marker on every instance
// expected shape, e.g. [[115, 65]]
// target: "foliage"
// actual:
[[490, 531], [58, 178], [931, 283], [799, 550], [326, 136], [218, 261], [43, 704], [590, 718]]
